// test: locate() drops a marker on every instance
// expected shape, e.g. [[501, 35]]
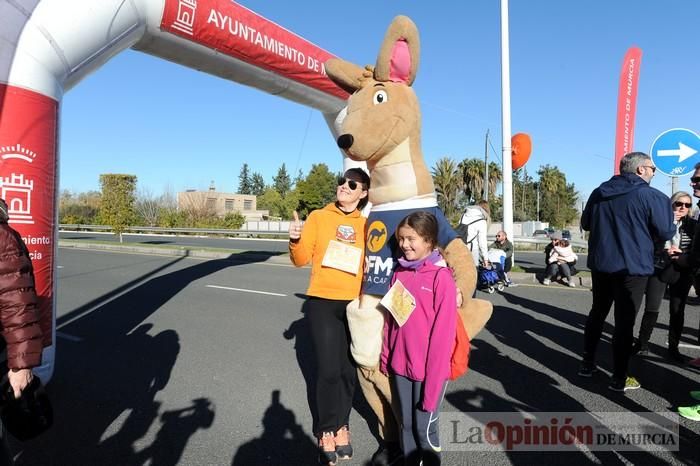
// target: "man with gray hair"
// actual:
[[625, 217]]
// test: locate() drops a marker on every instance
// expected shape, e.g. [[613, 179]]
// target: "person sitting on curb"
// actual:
[[561, 259], [506, 246]]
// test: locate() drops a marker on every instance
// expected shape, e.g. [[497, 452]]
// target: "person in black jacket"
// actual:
[[624, 216], [679, 281]]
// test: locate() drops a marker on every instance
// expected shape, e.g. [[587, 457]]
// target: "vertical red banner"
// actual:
[[627, 104], [28, 136]]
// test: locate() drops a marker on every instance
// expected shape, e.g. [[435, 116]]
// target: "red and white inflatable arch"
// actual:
[[48, 46]]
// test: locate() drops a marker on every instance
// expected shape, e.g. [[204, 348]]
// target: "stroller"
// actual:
[[490, 278]]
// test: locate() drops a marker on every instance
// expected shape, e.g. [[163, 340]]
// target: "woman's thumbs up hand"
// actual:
[[295, 228]]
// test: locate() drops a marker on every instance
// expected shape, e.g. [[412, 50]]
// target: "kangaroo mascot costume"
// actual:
[[381, 126]]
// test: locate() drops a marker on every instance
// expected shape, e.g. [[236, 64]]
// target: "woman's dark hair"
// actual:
[[425, 224], [360, 175]]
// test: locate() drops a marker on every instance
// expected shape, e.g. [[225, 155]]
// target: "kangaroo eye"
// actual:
[[380, 97]]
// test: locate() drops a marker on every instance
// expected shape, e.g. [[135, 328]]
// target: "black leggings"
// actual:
[[336, 376], [678, 295]]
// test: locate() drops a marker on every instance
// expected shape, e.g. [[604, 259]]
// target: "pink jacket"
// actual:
[[421, 349]]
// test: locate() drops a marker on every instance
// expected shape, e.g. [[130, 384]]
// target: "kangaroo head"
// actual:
[[381, 122], [383, 110]]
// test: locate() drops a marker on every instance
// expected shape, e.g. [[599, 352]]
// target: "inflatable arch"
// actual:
[[48, 46]]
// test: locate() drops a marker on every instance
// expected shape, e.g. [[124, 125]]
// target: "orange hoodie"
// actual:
[[322, 226]]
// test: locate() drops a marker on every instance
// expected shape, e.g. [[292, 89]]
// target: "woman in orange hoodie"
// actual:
[[333, 241]]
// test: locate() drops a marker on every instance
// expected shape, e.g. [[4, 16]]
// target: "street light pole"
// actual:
[[505, 125], [486, 168]]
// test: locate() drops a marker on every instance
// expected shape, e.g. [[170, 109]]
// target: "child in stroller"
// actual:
[[493, 277]]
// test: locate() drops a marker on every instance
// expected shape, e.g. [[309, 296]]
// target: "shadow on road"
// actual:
[[282, 442], [108, 376]]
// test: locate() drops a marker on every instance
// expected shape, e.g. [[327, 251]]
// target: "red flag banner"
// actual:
[[627, 104]]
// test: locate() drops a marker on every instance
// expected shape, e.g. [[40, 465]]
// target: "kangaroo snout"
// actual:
[[345, 141]]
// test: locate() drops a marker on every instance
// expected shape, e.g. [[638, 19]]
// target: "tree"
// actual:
[[448, 182], [472, 171], [147, 207], [277, 205], [282, 182], [257, 183], [557, 197], [245, 185], [118, 201], [316, 190]]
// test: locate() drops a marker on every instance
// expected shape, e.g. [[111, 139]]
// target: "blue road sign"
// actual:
[[676, 151]]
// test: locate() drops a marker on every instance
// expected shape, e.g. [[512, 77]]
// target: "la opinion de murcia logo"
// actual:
[[15, 188], [184, 22]]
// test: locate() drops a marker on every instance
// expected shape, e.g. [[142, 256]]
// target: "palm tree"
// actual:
[[495, 177], [447, 180], [472, 171]]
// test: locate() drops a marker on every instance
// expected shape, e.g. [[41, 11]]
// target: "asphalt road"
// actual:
[[529, 261], [179, 361]]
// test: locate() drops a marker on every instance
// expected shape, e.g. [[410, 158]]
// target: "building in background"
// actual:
[[221, 204]]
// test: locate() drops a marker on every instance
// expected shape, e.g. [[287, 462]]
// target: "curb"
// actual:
[[534, 279]]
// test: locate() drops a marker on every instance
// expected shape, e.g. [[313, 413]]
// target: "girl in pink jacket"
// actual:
[[419, 335]]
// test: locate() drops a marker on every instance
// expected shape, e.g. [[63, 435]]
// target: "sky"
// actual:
[[176, 128]]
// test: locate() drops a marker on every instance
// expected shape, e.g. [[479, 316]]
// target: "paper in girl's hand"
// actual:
[[400, 302]]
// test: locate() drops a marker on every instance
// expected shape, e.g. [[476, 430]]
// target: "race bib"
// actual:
[[343, 257], [399, 302]]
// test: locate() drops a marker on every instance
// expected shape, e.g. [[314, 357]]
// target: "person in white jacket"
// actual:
[[472, 229]]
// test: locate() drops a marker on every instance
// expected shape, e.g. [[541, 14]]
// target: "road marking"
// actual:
[[688, 345], [246, 291], [68, 337]]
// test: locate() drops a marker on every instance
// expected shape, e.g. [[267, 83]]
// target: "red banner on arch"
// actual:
[[234, 30], [627, 104], [28, 182]]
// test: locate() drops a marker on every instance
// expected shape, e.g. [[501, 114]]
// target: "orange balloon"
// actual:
[[520, 149]]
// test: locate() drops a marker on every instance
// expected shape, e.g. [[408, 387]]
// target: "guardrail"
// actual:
[[537, 241]]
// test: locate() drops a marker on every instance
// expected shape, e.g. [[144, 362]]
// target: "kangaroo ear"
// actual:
[[400, 52], [345, 74]]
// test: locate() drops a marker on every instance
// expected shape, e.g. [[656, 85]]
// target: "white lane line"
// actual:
[[68, 337], [246, 291], [688, 345]]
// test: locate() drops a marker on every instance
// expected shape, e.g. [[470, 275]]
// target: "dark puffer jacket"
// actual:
[[19, 318]]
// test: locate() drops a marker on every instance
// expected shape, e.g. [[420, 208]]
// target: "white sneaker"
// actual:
[[546, 281], [572, 284]]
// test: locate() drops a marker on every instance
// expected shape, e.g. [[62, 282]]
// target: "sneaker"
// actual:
[[587, 369], [618, 385], [342, 443], [388, 454], [572, 284], [695, 394], [546, 281], [326, 449], [690, 412]]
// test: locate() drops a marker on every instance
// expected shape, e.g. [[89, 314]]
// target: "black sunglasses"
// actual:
[[351, 183], [687, 205], [653, 168], [695, 179]]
